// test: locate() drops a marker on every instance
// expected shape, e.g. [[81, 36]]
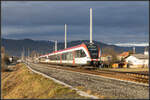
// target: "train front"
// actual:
[[94, 52]]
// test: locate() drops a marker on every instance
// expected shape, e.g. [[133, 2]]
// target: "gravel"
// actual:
[[108, 88]]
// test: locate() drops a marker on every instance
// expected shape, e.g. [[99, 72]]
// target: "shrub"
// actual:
[[4, 60]]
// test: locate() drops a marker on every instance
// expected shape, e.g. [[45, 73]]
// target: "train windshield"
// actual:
[[93, 49]]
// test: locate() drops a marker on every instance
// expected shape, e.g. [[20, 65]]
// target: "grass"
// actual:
[[22, 83]]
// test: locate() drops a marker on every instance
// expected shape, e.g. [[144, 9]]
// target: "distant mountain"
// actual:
[[15, 47]]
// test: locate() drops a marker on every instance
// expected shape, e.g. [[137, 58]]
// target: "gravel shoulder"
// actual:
[[106, 88]]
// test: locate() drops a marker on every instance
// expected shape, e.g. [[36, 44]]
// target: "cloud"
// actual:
[[132, 44], [112, 21]]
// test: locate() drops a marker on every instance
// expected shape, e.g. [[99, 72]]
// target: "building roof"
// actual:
[[140, 56], [124, 54]]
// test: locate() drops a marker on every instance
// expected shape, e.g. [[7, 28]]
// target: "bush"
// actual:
[[4, 63], [4, 60]]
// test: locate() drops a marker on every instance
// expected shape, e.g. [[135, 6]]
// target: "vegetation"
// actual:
[[131, 52], [4, 60], [110, 51], [34, 54], [22, 83]]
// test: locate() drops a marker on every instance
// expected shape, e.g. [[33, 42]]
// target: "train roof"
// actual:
[[80, 45]]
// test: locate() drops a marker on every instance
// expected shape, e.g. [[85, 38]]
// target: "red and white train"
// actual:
[[83, 54]]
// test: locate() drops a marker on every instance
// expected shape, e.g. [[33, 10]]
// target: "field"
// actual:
[[21, 83]]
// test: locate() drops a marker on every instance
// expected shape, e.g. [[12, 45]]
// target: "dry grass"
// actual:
[[21, 83]]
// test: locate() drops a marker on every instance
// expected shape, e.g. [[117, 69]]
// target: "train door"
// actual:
[[80, 57], [73, 53], [69, 58], [60, 58]]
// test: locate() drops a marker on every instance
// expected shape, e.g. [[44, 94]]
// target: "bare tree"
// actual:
[[110, 51], [33, 54], [4, 59]]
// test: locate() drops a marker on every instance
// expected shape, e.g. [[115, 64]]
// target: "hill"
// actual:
[[15, 47]]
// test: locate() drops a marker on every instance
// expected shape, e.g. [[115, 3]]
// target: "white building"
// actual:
[[146, 52], [137, 60], [10, 59]]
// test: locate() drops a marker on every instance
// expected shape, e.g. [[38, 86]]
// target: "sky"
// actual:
[[113, 21]]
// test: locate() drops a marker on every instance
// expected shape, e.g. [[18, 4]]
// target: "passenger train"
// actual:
[[80, 55]]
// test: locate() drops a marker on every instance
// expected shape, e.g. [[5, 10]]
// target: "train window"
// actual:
[[80, 53], [64, 56], [43, 58], [83, 53], [50, 57], [77, 54], [58, 57], [53, 57], [69, 56]]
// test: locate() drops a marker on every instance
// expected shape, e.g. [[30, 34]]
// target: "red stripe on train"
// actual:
[[94, 59]]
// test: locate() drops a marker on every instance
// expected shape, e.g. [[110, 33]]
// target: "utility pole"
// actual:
[[28, 53], [134, 50], [22, 55], [55, 45], [65, 36], [91, 25]]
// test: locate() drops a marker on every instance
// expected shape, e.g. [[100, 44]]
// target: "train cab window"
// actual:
[[82, 54], [93, 50]]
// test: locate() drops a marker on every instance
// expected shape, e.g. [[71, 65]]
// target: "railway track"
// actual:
[[129, 76]]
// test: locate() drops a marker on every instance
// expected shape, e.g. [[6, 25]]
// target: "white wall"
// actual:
[[146, 53], [133, 60]]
